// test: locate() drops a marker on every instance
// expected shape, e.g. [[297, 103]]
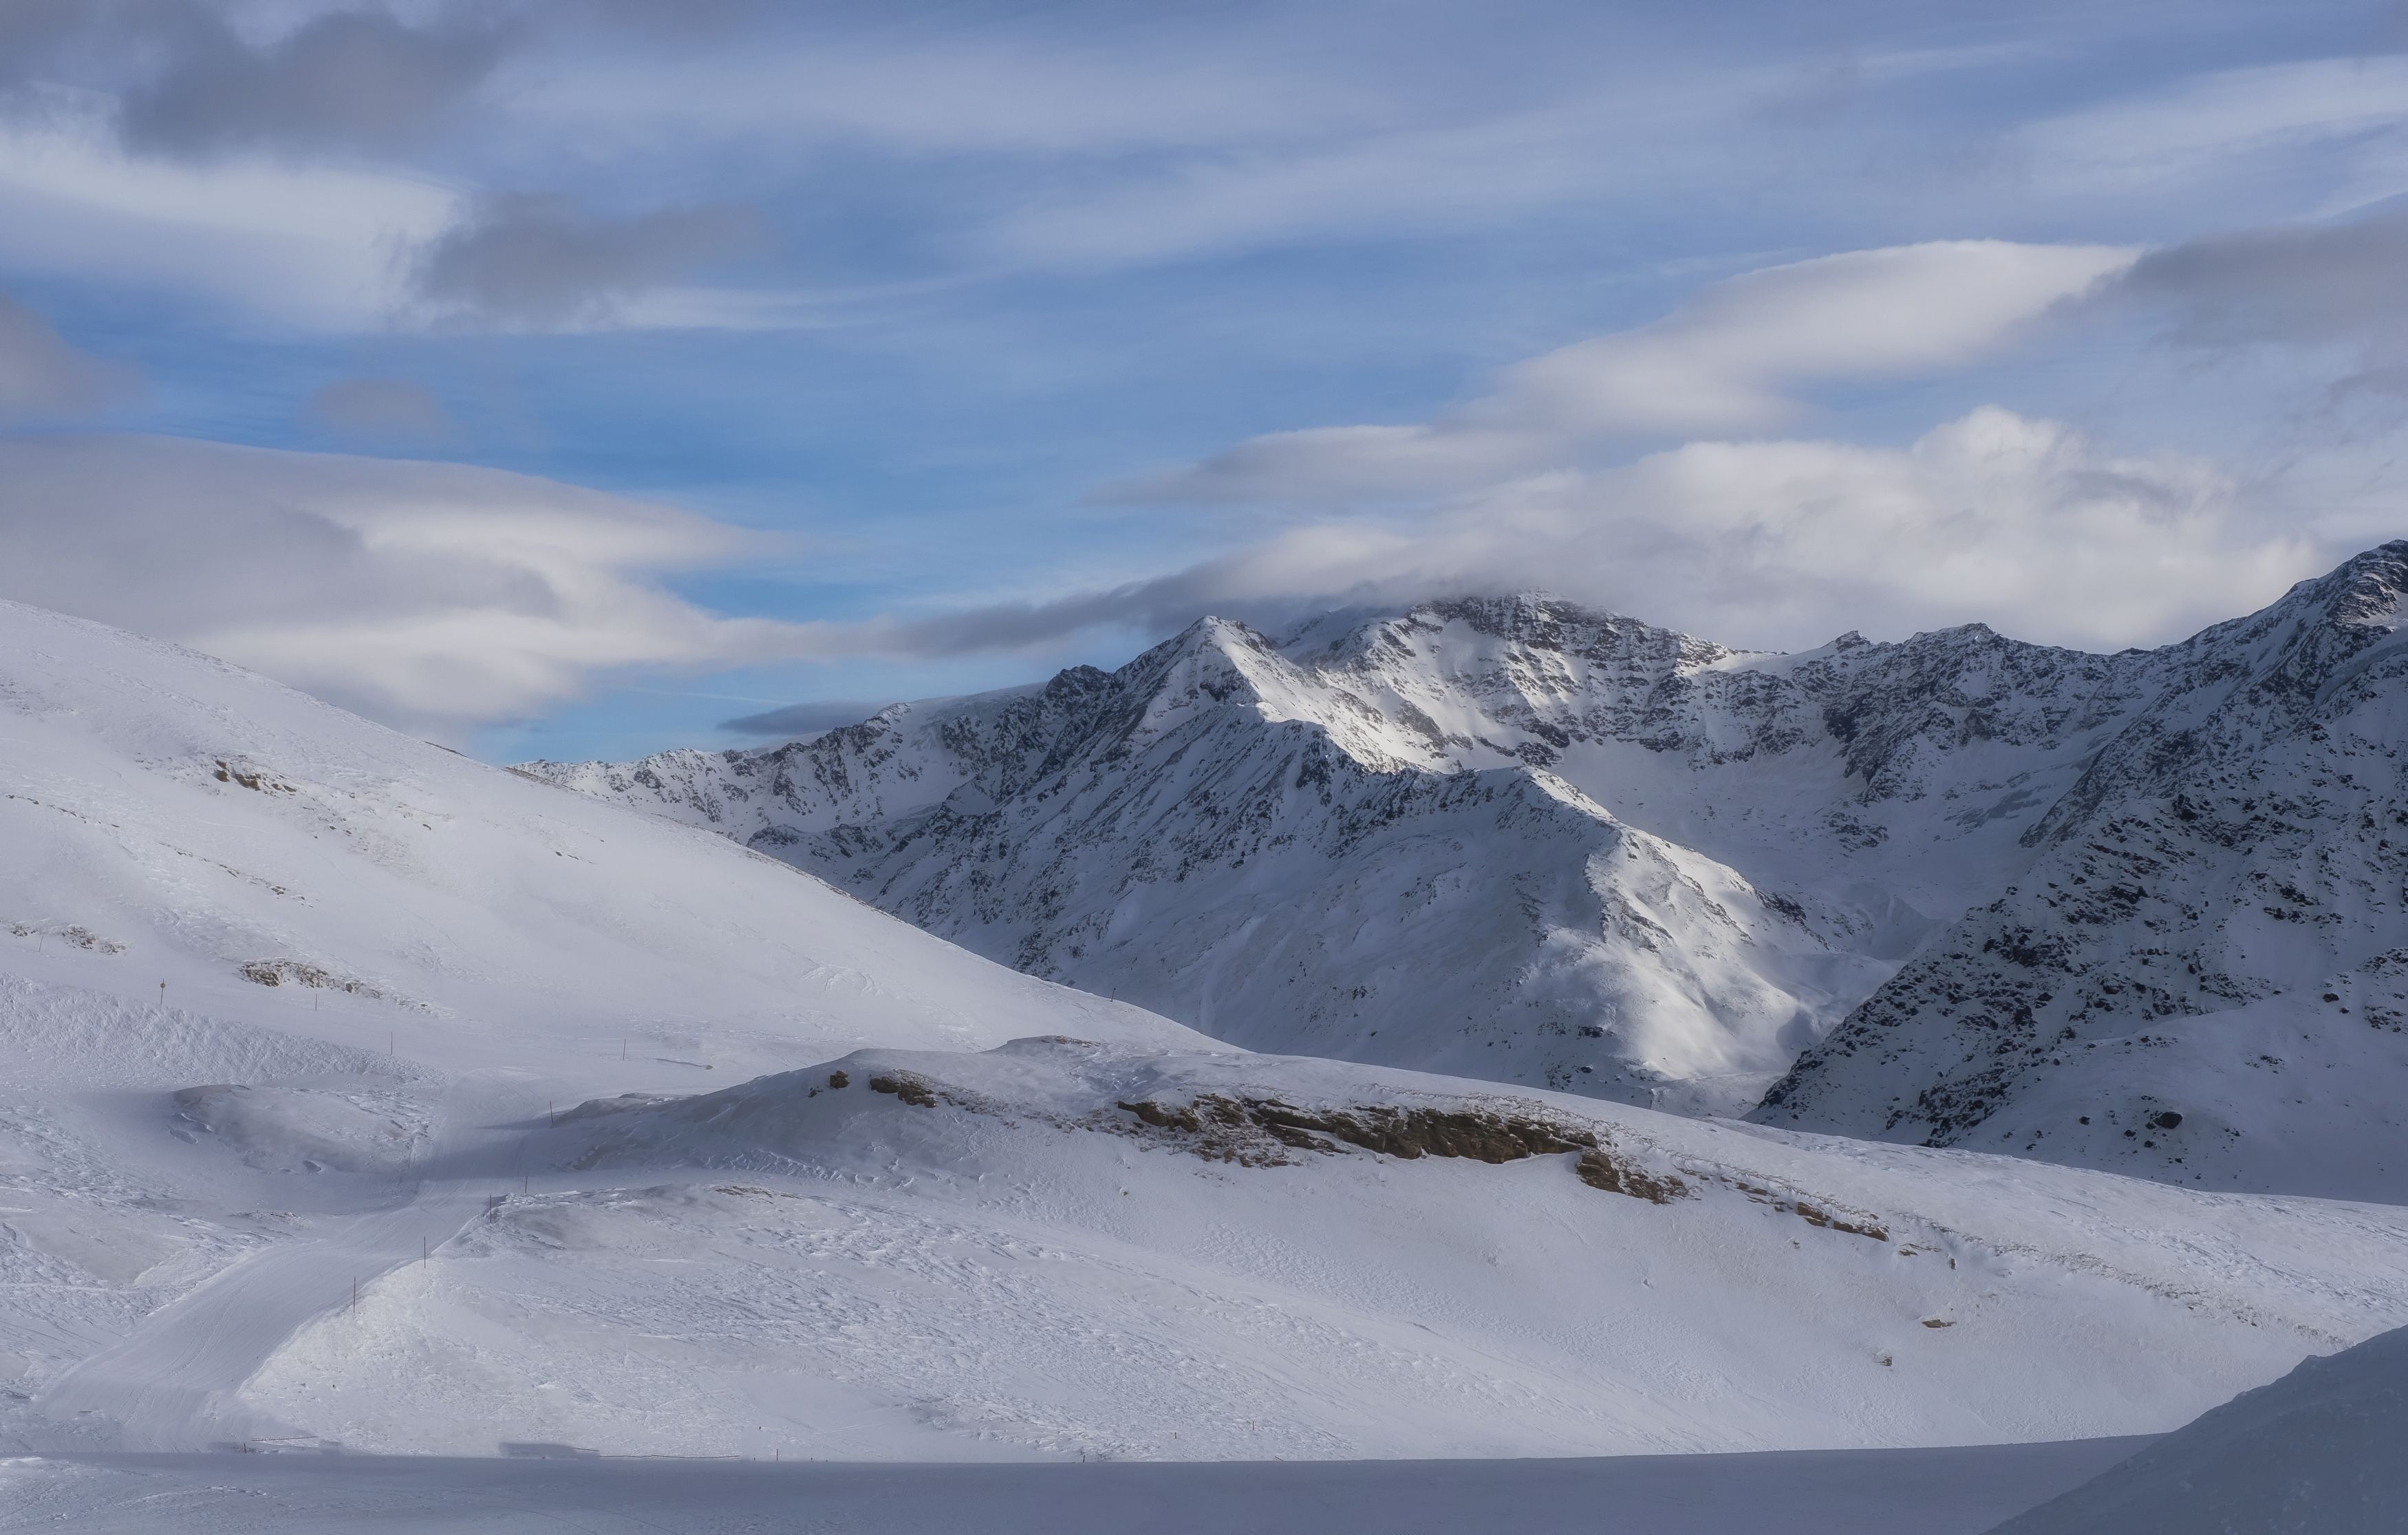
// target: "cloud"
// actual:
[[436, 596], [796, 721], [539, 262], [2327, 284], [386, 408], [312, 245], [2225, 123], [33, 31], [1730, 360], [41, 375], [341, 80], [2023, 524]]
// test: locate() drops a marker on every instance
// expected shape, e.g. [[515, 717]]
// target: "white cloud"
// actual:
[[433, 595], [1419, 178], [314, 247], [2208, 126], [333, 248], [1731, 360], [2024, 524], [921, 92]]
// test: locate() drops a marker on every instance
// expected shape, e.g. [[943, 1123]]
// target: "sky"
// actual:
[[575, 378]]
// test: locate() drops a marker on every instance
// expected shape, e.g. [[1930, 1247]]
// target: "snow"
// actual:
[[1956, 890], [1021, 1267], [1931, 1492], [2315, 1453], [550, 1088], [189, 1173]]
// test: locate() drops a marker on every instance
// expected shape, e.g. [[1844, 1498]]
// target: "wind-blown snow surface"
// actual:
[[1523, 841], [2315, 1453], [371, 949], [1141, 1245], [1003, 1253]]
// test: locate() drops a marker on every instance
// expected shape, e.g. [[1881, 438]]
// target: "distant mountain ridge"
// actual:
[[1517, 838]]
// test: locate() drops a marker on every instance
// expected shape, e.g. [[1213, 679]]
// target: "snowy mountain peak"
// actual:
[[1515, 837]]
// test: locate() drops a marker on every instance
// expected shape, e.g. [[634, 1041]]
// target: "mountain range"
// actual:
[[354, 1094], [2140, 910]]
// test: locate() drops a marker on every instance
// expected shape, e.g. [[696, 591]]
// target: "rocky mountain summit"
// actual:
[[1932, 889], [2207, 956]]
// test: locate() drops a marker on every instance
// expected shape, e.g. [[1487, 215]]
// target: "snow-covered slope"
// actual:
[[2203, 973], [1068, 1248], [2316, 1452], [364, 1204], [1523, 841], [164, 817], [260, 960]]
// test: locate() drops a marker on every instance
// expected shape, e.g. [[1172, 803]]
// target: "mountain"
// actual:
[[1521, 840], [2202, 973], [1511, 838], [261, 960], [2315, 1453], [479, 1114], [178, 831]]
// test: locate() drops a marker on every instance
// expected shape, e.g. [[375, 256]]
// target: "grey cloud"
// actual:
[[2334, 285], [41, 375], [539, 262], [33, 31], [343, 79], [2303, 284], [382, 408], [797, 720]]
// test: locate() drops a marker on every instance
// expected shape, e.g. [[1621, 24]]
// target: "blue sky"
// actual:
[[855, 352]]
